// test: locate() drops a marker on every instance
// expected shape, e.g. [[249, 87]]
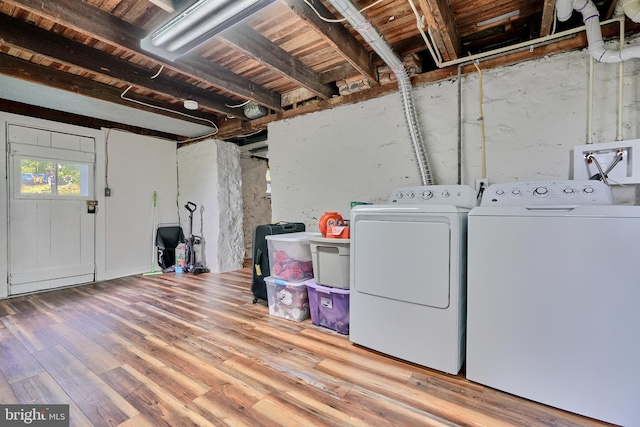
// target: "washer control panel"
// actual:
[[548, 193], [457, 195]]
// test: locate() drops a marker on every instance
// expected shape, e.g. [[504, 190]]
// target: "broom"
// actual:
[[153, 240]]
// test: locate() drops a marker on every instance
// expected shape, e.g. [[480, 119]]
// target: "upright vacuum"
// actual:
[[194, 265]]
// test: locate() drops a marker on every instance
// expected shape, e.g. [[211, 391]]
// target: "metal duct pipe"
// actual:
[[383, 49], [591, 18]]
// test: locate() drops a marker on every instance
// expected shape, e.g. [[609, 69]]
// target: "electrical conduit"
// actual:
[[591, 18], [383, 49]]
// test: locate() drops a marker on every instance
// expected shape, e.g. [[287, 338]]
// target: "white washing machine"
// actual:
[[554, 297], [408, 262]]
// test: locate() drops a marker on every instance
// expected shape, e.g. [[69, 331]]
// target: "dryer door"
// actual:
[[405, 259]]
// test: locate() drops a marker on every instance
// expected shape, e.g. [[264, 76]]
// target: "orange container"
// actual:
[[329, 219], [337, 232]]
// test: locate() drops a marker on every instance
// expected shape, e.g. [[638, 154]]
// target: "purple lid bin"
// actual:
[[329, 307]]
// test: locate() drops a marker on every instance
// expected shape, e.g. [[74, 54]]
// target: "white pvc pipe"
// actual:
[[619, 10], [590, 103], [435, 54], [564, 10], [591, 18], [620, 85], [632, 9]]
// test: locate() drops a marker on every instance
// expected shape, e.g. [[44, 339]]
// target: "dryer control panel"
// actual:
[[558, 193], [457, 195]]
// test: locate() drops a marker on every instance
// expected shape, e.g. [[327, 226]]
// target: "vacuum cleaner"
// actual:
[[194, 246]]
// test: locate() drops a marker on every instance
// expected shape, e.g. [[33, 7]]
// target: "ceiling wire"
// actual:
[[346, 17], [122, 95], [158, 73], [238, 105], [215, 127], [246, 135]]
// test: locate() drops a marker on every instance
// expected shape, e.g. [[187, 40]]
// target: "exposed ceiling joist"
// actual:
[[18, 34], [440, 17], [94, 22], [548, 17], [166, 5], [337, 36], [253, 44]]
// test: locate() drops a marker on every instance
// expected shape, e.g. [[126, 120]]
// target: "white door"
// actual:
[[51, 223]]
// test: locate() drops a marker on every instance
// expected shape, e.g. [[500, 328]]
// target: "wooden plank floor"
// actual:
[[184, 350]]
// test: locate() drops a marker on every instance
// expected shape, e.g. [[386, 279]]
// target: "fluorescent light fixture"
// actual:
[[503, 17], [197, 24]]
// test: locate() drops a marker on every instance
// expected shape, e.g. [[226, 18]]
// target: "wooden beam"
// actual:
[[25, 70], [18, 34], [253, 44], [235, 128], [440, 18], [96, 23], [548, 17], [296, 96], [337, 36], [166, 5], [76, 119], [611, 10]]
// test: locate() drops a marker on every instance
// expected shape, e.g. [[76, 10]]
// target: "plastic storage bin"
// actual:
[[330, 259], [290, 256], [288, 300], [329, 307]]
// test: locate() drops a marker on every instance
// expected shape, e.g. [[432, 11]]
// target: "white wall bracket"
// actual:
[[626, 171]]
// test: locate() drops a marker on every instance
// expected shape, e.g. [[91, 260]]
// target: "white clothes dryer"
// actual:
[[408, 265], [553, 295]]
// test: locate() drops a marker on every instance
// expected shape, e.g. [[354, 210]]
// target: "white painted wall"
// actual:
[[209, 175], [137, 166], [535, 113]]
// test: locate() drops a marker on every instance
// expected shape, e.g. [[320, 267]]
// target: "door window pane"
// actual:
[[72, 179], [34, 174], [40, 177]]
